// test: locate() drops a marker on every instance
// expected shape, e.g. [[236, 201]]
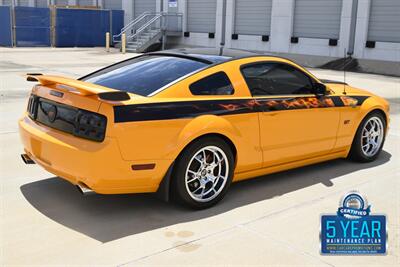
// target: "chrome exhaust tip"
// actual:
[[26, 159], [85, 190]]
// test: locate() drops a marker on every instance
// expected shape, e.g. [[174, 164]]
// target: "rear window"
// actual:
[[144, 75]]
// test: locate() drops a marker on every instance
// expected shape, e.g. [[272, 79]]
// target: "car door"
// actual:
[[294, 123]]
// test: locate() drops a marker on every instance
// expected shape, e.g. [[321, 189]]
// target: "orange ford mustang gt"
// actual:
[[187, 124]]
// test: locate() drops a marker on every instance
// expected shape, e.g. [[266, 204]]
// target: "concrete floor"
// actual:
[[271, 220]]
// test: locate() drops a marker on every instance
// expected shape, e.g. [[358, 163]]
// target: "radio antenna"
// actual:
[[344, 72]]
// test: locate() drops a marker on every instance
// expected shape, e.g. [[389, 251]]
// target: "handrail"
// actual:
[[147, 24], [133, 23], [147, 21]]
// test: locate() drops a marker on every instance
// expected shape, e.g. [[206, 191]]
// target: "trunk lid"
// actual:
[[73, 106]]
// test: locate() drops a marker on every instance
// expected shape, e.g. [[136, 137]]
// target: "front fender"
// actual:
[[370, 104], [351, 119]]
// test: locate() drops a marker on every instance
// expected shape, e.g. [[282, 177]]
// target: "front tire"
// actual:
[[369, 138], [203, 173]]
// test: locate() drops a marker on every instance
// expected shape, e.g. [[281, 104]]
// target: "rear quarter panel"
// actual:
[[165, 139]]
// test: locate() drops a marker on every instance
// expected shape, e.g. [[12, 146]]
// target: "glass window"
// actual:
[[215, 84], [276, 79], [144, 75]]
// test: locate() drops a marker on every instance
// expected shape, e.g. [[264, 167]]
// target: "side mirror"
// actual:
[[319, 89]]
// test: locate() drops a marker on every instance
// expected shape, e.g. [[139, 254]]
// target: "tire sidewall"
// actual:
[[179, 182]]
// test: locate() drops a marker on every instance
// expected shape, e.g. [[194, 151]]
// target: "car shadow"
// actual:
[[109, 217]]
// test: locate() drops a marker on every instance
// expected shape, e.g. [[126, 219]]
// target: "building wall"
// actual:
[[389, 51], [281, 25], [281, 31]]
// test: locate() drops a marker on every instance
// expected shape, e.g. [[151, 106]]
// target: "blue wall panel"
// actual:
[[81, 28], [5, 26], [32, 26], [117, 21]]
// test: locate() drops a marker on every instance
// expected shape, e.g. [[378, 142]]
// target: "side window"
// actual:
[[215, 84], [276, 79]]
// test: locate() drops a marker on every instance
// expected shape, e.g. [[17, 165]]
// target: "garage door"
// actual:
[[201, 15], [22, 3], [317, 19], [384, 21], [84, 3], [141, 6], [253, 17], [112, 4], [61, 2], [41, 3], [5, 2]]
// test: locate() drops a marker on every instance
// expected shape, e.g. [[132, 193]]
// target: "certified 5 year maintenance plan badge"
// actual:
[[353, 230]]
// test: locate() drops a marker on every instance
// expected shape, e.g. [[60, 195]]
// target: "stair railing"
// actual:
[[160, 22], [153, 23], [131, 26]]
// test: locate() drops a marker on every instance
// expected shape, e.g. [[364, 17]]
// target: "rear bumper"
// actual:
[[99, 166]]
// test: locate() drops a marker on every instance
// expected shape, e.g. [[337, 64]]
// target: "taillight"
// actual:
[[69, 119], [90, 125], [32, 106]]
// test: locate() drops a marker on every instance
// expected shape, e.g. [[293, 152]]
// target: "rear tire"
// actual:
[[369, 138], [203, 173]]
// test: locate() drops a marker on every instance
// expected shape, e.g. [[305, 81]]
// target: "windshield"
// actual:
[[144, 75]]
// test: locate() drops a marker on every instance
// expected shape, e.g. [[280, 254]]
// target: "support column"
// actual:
[[128, 6], [165, 5], [230, 22], [361, 27], [158, 6], [182, 7], [282, 17]]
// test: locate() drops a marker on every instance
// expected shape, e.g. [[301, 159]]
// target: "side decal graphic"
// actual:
[[190, 109]]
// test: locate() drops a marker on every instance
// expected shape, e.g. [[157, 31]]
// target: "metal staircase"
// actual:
[[148, 29]]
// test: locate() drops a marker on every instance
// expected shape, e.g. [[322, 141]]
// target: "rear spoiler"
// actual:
[[78, 87]]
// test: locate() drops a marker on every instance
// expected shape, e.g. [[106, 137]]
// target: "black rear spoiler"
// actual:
[[114, 96]]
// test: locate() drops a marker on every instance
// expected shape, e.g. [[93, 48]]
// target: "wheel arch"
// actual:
[[217, 135], [374, 104], [379, 110], [365, 115], [352, 152], [202, 126], [371, 104]]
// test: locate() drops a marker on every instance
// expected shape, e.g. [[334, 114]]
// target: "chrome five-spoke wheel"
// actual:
[[207, 173], [372, 136], [203, 172]]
